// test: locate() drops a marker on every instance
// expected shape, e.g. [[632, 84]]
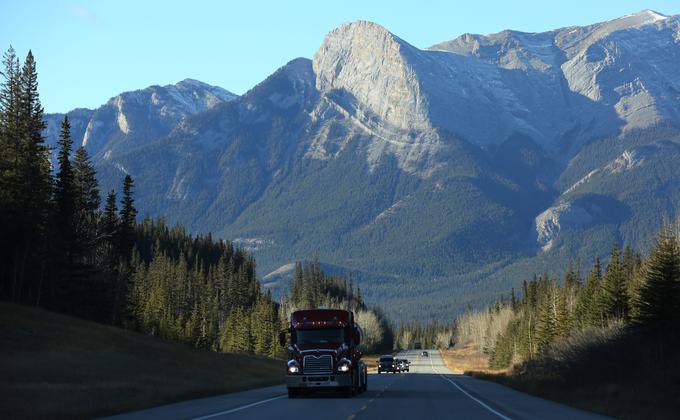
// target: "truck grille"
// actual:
[[314, 365]]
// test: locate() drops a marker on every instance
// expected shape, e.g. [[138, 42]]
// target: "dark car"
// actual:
[[387, 363], [424, 354], [403, 365]]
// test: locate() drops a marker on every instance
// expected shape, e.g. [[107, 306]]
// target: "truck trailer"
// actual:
[[324, 352]]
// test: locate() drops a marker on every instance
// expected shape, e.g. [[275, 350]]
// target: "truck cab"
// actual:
[[324, 352]]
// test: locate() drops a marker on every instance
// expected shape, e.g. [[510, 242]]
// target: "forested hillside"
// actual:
[[573, 339], [64, 251]]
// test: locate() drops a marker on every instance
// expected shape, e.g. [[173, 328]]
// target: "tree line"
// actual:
[[61, 250], [431, 335], [312, 288], [633, 291]]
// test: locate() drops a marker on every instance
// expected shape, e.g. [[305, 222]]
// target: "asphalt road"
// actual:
[[428, 391]]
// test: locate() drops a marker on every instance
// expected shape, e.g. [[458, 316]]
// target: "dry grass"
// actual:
[[55, 366], [615, 372], [467, 359]]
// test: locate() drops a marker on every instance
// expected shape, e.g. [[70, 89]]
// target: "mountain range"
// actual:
[[438, 177]]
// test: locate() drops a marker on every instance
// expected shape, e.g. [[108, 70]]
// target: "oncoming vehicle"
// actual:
[[387, 363], [403, 365], [324, 352], [424, 354]]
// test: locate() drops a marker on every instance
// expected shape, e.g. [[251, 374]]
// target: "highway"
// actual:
[[428, 391]]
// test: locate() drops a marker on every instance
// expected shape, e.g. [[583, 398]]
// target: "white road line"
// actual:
[[243, 407], [504, 417]]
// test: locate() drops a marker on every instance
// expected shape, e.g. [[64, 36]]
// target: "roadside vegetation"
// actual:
[[312, 288], [58, 366], [607, 343], [431, 335], [66, 250]]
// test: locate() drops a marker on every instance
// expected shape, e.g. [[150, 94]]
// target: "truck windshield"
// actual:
[[330, 335]]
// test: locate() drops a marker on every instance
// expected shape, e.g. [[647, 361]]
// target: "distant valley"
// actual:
[[438, 177]]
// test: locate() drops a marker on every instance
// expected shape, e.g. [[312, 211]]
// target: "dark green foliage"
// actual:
[[25, 183], [64, 197], [658, 298], [312, 288], [86, 205], [646, 290], [614, 289], [199, 291], [588, 309], [127, 219], [103, 265]]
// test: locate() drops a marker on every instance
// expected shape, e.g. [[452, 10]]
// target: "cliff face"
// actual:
[[441, 175]]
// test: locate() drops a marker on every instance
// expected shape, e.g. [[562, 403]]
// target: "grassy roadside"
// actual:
[[626, 376], [56, 366], [466, 359]]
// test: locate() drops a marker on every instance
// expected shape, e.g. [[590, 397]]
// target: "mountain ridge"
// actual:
[[421, 170]]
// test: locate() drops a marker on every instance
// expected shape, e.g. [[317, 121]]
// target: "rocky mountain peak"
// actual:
[[368, 68]]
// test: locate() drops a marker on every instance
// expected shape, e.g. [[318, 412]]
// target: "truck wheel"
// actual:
[[292, 393], [378, 371]]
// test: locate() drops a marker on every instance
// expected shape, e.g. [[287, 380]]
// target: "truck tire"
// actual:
[[378, 371]]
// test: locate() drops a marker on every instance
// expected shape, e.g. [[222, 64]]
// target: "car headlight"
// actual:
[[344, 365], [293, 366]]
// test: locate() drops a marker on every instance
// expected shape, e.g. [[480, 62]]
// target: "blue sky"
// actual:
[[89, 51]]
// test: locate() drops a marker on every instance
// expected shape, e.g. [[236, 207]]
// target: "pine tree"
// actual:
[[87, 202], [64, 194], [658, 300], [10, 158], [10, 141], [110, 226], [128, 216], [614, 296], [588, 307]]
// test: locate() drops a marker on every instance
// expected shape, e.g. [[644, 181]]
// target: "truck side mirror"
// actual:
[[282, 338]]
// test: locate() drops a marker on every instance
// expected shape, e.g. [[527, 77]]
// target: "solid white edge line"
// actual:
[[243, 407], [482, 403]]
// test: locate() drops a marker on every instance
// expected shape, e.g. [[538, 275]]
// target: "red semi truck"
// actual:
[[324, 352]]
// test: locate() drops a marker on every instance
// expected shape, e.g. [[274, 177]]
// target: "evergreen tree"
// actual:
[[588, 308], [128, 216], [614, 296], [87, 202], [64, 194], [658, 300]]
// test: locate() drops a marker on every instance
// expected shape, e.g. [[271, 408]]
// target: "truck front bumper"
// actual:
[[319, 381]]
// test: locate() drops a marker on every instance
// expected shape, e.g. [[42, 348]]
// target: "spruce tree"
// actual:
[[87, 201], [10, 158], [64, 194], [614, 296], [588, 308], [128, 216], [658, 299]]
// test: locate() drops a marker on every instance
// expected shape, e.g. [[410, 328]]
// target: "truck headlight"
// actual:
[[293, 366], [344, 365]]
